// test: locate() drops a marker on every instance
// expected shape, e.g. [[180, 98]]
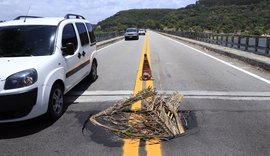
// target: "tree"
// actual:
[[258, 30], [197, 29]]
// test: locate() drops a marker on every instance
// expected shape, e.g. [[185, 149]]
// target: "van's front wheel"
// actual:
[[56, 102]]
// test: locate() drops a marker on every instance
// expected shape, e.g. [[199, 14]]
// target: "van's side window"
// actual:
[[91, 33], [69, 36], [83, 33]]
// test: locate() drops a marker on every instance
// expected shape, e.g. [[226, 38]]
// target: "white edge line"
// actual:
[[224, 62], [121, 98], [100, 93], [229, 98], [109, 96], [169, 92]]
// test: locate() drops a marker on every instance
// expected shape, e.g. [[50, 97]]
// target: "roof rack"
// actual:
[[20, 17], [77, 16]]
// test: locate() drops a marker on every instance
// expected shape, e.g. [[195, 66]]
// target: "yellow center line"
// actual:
[[131, 146], [149, 83], [139, 84], [152, 148]]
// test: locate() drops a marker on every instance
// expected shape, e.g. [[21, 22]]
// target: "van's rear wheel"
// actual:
[[56, 102], [93, 73]]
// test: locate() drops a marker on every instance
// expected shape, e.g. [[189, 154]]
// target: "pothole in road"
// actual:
[[188, 120], [105, 137], [157, 118], [97, 134]]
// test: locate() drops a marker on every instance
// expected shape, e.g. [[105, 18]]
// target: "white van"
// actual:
[[41, 59]]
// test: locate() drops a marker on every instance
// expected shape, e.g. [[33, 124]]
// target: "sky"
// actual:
[[92, 10]]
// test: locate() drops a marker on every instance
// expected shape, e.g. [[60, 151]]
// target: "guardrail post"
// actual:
[[239, 42], [221, 43], [247, 43], [204, 37], [267, 47], [232, 41], [256, 43], [226, 42]]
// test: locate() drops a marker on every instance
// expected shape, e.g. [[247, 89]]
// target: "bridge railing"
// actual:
[[256, 44], [108, 35]]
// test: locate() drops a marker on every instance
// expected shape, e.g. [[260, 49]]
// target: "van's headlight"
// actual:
[[21, 79]]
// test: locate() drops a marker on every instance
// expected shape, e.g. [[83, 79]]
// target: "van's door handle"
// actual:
[[83, 53], [79, 55]]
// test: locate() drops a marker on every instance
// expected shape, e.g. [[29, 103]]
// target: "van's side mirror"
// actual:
[[69, 49]]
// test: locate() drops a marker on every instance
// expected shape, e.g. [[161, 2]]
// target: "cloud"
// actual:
[[93, 10]]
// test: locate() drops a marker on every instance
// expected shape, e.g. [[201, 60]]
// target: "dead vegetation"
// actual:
[[157, 117]]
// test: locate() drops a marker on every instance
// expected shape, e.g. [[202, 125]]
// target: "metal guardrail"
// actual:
[[105, 36], [256, 44]]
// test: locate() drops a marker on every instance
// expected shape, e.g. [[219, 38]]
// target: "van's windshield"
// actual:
[[28, 40]]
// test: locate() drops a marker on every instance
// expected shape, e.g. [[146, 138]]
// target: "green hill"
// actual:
[[227, 2], [134, 18], [221, 16]]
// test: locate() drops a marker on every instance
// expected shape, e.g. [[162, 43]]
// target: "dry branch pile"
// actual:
[[157, 118]]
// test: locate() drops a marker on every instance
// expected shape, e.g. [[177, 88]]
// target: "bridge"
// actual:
[[227, 100]]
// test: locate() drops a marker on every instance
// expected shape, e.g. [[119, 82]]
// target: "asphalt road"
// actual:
[[229, 106]]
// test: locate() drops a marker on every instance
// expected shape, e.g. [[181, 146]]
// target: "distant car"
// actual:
[[131, 33], [142, 32]]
